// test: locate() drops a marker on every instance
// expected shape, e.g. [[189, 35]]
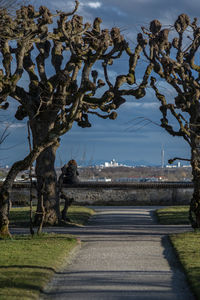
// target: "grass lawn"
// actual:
[[186, 245], [173, 215], [78, 214], [26, 263]]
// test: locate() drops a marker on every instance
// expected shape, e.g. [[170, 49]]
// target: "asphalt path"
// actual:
[[124, 254]]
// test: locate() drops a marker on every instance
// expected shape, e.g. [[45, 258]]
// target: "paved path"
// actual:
[[124, 255]]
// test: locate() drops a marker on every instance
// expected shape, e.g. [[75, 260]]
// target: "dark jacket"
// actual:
[[70, 174]]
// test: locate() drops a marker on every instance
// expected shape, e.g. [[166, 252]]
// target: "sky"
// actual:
[[135, 135]]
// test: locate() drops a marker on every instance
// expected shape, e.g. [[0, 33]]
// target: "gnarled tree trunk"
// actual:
[[195, 162], [45, 171], [4, 210], [47, 187]]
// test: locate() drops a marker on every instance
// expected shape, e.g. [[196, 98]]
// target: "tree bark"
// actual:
[[47, 187], [45, 172], [195, 201], [4, 210], [194, 214]]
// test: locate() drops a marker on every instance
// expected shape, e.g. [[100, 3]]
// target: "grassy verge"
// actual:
[[186, 244], [187, 249], [80, 214], [27, 264], [19, 216], [173, 215]]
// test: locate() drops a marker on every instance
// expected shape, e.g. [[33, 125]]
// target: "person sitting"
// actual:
[[69, 175], [70, 172]]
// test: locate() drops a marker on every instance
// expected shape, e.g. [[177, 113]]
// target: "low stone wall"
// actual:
[[118, 194], [130, 197]]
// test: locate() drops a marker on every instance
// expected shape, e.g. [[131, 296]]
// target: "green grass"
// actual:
[[19, 216], [27, 264], [80, 214], [173, 215], [187, 247]]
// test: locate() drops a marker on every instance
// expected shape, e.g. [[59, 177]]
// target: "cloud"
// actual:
[[17, 125], [94, 4], [12, 125]]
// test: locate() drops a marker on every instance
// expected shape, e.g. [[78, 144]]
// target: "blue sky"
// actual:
[[125, 138]]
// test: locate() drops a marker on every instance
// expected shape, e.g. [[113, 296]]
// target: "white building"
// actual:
[[112, 163]]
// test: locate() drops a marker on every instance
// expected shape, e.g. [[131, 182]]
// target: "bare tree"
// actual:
[[172, 55], [54, 102]]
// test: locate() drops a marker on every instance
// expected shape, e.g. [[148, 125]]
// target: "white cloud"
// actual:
[[17, 125], [13, 125], [94, 4]]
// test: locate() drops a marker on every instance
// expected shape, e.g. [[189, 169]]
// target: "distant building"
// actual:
[[174, 166], [112, 163]]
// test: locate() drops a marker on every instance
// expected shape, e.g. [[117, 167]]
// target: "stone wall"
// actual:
[[175, 196], [121, 195]]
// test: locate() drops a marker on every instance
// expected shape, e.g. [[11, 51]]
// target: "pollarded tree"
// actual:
[[173, 54], [54, 101], [16, 38]]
